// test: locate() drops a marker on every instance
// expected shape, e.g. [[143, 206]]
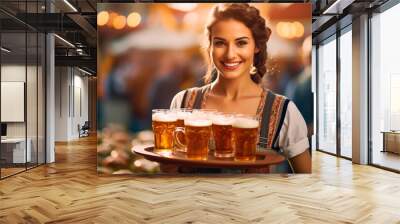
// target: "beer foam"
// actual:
[[163, 117], [198, 122], [222, 120], [182, 115], [245, 123]]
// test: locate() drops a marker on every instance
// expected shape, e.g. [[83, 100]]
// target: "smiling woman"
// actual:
[[232, 52], [237, 54], [249, 32]]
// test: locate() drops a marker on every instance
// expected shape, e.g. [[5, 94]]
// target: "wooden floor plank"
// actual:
[[70, 191]]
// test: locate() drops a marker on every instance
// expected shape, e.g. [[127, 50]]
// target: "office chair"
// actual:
[[84, 130]]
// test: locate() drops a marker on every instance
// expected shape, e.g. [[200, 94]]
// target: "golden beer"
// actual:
[[181, 115], [164, 125], [197, 136], [222, 132], [180, 123], [245, 138], [206, 114]]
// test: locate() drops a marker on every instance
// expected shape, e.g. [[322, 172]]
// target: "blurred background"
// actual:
[[149, 52]]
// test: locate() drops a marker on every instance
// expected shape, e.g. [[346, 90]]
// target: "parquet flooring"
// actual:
[[387, 159], [9, 171], [70, 191]]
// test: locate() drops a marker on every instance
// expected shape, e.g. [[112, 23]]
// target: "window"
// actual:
[[346, 94], [385, 88], [327, 96]]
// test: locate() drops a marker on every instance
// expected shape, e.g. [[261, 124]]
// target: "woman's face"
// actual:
[[232, 48]]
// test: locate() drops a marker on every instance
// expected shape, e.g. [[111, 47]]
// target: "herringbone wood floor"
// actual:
[[70, 191]]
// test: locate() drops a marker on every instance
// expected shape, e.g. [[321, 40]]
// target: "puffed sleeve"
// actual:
[[177, 100], [293, 135]]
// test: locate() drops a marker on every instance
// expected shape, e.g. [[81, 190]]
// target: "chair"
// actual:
[[84, 130]]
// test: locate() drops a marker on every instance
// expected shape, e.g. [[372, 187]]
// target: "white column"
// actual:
[[50, 100], [50, 93], [360, 90], [314, 91]]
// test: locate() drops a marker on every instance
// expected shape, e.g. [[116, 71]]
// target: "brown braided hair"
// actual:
[[251, 18]]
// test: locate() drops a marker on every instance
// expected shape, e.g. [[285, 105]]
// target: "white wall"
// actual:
[[61, 103], [16, 73], [81, 103], [33, 126], [13, 73], [71, 94]]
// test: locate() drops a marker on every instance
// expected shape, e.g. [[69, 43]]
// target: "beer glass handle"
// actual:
[[177, 140]]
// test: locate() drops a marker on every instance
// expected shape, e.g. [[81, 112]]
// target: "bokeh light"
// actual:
[[113, 15], [190, 18], [119, 22], [290, 30], [102, 18], [183, 6], [299, 29], [134, 19]]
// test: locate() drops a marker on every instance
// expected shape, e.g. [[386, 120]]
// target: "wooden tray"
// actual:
[[263, 159]]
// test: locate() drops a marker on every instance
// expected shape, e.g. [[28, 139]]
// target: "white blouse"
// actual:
[[293, 135]]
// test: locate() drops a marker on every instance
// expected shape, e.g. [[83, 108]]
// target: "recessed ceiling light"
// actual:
[[84, 71], [64, 40], [70, 5], [5, 50]]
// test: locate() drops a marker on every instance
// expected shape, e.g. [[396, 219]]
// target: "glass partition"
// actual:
[[31, 97], [41, 79], [32, 84], [14, 143], [22, 77], [327, 96]]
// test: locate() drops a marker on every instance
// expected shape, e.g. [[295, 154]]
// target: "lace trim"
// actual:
[[191, 98], [276, 113]]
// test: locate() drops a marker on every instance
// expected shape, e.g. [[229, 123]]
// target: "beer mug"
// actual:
[[197, 132], [206, 114], [164, 123], [222, 132], [245, 137], [181, 114]]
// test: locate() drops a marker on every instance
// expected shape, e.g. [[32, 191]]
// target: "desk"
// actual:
[[16, 148], [391, 141]]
